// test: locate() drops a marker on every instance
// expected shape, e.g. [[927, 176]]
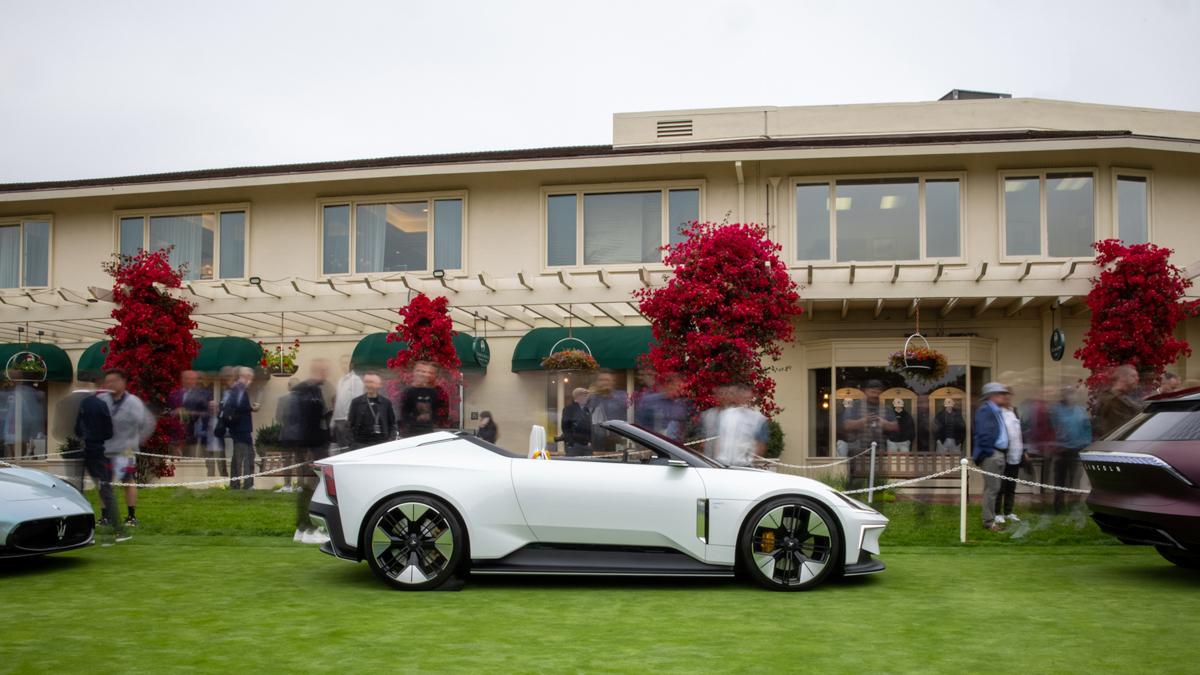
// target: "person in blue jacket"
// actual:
[[989, 445], [234, 418]]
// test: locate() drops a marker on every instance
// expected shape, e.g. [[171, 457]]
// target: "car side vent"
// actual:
[[674, 128]]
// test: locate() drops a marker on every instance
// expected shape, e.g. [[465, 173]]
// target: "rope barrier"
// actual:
[[194, 483], [844, 460], [1027, 482], [890, 486]]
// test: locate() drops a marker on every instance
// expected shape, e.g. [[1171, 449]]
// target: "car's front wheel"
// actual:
[[1184, 559], [790, 544], [416, 542]]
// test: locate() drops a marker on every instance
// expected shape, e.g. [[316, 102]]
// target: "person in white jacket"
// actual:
[[132, 424]]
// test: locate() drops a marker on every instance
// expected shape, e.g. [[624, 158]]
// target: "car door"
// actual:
[[611, 501]]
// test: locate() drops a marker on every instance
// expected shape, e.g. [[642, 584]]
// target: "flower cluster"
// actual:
[[921, 363], [570, 359], [280, 360], [429, 331], [724, 312], [1136, 302], [152, 340], [28, 366]]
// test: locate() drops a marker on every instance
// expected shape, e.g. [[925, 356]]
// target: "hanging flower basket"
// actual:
[[919, 362], [26, 367], [280, 361], [570, 359]]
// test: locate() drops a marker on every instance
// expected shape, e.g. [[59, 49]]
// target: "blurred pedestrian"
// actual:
[[989, 446], [190, 404], [1073, 433], [949, 428], [576, 425], [309, 430], [93, 427], [217, 462], [21, 419], [423, 406], [487, 430], [132, 424], [606, 403], [371, 418], [1115, 406], [348, 388], [1170, 383], [868, 420], [285, 410], [742, 431], [1014, 457], [235, 421], [664, 410]]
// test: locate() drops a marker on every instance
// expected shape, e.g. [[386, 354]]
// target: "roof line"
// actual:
[[582, 151]]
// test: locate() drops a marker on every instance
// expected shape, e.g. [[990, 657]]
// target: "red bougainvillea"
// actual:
[[429, 331], [152, 341], [1136, 302], [724, 313]]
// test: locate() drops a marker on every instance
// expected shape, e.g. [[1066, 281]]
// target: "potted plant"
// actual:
[[570, 359], [922, 363], [280, 361], [26, 366]]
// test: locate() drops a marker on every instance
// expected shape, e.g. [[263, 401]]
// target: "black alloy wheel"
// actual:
[[791, 544], [414, 542]]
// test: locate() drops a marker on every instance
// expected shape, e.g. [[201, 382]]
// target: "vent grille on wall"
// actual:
[[674, 128]]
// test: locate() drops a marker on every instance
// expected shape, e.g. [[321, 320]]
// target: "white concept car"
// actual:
[[425, 509], [41, 514]]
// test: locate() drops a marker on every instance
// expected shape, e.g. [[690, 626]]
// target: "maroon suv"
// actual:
[[1146, 478]]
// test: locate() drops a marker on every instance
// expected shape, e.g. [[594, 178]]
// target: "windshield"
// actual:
[[693, 450]]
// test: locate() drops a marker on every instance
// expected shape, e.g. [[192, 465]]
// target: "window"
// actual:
[[616, 227], [24, 252], [412, 233], [1049, 214], [207, 243], [1167, 425], [1131, 192], [878, 219]]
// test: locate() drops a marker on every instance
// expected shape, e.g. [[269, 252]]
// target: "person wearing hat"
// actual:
[[990, 446]]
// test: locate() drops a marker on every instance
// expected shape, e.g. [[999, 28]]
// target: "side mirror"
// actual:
[[677, 462]]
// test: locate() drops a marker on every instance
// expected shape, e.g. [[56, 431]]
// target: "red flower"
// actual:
[[725, 311]]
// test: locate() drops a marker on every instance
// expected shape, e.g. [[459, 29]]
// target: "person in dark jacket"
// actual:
[[576, 425], [990, 444], [949, 428], [234, 419], [423, 406], [370, 418], [309, 434], [487, 427], [93, 426], [901, 438]]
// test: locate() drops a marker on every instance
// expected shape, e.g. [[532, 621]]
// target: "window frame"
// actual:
[[1116, 173], [20, 221], [353, 201], [831, 181], [664, 187], [215, 209], [1040, 173]]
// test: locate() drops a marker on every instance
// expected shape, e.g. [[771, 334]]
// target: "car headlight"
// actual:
[[854, 503]]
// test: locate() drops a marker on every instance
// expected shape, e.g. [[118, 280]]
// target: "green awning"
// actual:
[[58, 364], [215, 354], [616, 347], [373, 351]]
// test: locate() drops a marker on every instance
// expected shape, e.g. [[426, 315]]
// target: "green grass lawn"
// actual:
[[212, 582]]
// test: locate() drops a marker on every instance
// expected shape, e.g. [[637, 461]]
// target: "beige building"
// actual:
[[975, 215]]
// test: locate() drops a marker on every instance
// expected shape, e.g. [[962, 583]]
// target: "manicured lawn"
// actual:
[[236, 594]]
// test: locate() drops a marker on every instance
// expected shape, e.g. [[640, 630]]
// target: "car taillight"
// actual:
[[330, 486]]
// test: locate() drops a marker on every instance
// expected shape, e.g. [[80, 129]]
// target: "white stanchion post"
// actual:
[[871, 476], [962, 491]]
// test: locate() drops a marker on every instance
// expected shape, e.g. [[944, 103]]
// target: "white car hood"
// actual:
[[22, 485]]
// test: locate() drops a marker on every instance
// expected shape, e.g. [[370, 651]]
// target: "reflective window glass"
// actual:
[[233, 245], [10, 255], [336, 239], [447, 234], [560, 230], [812, 222], [37, 252], [877, 219], [132, 235], [189, 238], [1133, 213], [942, 216], [683, 208], [1070, 228], [391, 237], [1022, 216], [622, 227]]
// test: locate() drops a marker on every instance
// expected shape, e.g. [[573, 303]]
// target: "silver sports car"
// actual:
[[41, 514]]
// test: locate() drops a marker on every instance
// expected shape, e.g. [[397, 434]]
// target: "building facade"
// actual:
[[972, 217]]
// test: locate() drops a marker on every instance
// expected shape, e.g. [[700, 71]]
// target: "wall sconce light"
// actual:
[[256, 281], [439, 274]]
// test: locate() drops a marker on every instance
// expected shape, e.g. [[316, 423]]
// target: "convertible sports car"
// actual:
[[41, 514], [1146, 478], [423, 510]]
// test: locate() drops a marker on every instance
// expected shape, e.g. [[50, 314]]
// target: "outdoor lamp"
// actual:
[[439, 274]]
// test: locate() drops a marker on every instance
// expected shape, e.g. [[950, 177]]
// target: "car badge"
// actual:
[[62, 529]]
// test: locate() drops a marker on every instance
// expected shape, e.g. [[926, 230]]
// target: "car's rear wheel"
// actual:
[[790, 544], [414, 542], [1184, 559]]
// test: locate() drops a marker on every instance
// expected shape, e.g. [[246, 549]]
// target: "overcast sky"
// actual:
[[112, 88]]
